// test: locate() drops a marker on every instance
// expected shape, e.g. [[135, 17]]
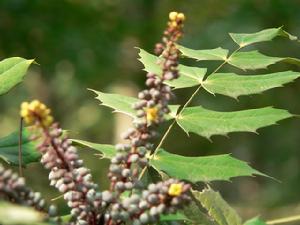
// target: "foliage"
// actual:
[[196, 119], [9, 148], [217, 208], [12, 71]]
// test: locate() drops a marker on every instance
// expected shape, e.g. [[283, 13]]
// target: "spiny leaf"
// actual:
[[206, 122], [107, 151], [12, 71], [255, 221], [234, 85], [189, 76], [203, 168], [194, 211], [253, 60], [123, 104], [207, 54], [243, 39], [9, 148], [150, 62], [218, 208], [11, 214], [119, 103]]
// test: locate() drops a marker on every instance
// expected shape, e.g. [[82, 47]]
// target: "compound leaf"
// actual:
[[253, 60], [234, 85], [206, 122], [107, 151], [218, 208], [9, 148], [243, 39], [207, 54], [12, 71], [202, 168]]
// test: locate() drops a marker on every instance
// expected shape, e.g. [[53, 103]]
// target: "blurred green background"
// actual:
[[82, 44]]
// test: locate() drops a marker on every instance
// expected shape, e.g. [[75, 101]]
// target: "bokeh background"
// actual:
[[82, 44]]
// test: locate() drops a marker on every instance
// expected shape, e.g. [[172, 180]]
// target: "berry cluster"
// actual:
[[13, 188], [151, 109], [161, 198], [67, 172]]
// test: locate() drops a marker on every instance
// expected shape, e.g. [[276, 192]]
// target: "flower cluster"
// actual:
[[36, 112], [13, 188], [67, 172]]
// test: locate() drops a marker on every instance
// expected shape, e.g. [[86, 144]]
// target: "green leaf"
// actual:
[[234, 85], [243, 39], [150, 62], [11, 214], [207, 54], [188, 76], [107, 151], [66, 218], [253, 60], [123, 104], [203, 168], [119, 103], [194, 211], [255, 221], [173, 217], [206, 122], [218, 208], [151, 175], [9, 148], [173, 112], [12, 71]]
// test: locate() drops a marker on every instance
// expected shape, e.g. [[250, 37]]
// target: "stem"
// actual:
[[173, 123], [56, 198], [20, 149], [284, 220], [153, 153], [162, 140]]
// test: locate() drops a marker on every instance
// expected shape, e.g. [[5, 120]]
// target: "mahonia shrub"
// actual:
[[173, 197]]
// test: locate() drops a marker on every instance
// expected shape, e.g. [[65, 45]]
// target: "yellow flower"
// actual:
[[173, 24], [152, 114], [181, 16], [175, 189], [36, 111], [173, 15]]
